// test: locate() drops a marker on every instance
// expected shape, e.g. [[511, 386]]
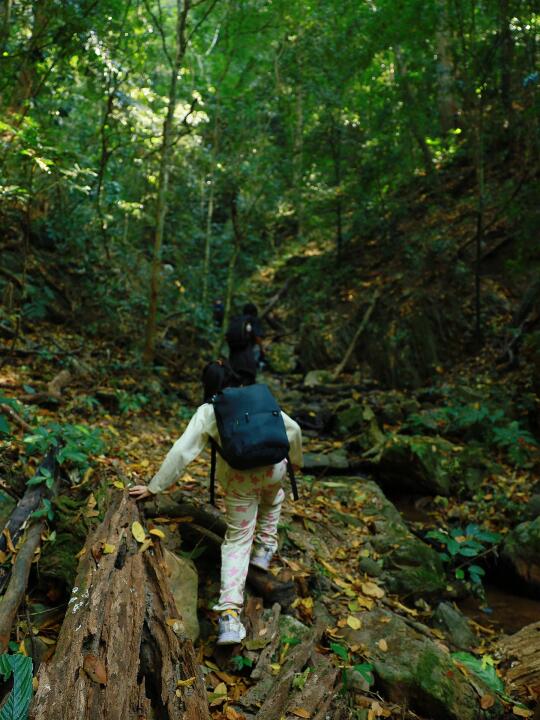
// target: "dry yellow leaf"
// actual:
[[371, 589], [119, 484], [354, 622], [275, 667], [146, 544], [157, 533], [301, 712], [383, 645], [137, 531], [220, 689], [522, 712], [108, 549], [186, 683]]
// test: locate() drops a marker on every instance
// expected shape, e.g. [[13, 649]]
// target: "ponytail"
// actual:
[[216, 376]]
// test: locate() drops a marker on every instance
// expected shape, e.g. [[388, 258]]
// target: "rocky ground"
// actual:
[[367, 621]]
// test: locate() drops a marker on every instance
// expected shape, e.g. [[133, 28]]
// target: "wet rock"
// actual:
[[184, 582], [455, 626], [317, 377], [521, 550], [335, 460], [410, 566], [290, 627], [421, 463], [415, 671], [371, 567]]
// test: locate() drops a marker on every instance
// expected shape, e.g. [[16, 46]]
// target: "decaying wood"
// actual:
[[272, 696], [521, 652], [14, 595], [53, 391], [15, 417], [276, 298], [118, 656], [209, 525], [343, 364]]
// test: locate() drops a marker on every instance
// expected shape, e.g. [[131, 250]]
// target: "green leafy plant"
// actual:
[[459, 547], [44, 476], [130, 402], [18, 701], [75, 443], [239, 662]]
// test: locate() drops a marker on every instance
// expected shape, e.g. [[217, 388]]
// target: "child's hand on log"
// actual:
[[140, 492]]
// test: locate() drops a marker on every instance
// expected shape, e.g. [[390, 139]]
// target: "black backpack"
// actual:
[[251, 431], [238, 336]]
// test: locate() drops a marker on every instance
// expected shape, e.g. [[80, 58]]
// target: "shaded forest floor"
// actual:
[[348, 561]]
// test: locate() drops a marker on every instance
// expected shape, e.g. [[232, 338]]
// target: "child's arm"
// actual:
[[184, 450], [294, 435]]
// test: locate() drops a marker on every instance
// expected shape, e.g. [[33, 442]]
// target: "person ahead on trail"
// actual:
[[253, 497], [244, 338]]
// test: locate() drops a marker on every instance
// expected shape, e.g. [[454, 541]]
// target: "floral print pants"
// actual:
[[253, 500]]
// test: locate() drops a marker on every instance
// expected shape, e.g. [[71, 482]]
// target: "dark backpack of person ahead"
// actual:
[[251, 431], [238, 337]]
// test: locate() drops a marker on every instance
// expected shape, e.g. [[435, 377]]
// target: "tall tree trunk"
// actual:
[[182, 9], [338, 205], [446, 100], [210, 211], [507, 57], [237, 246], [298, 160], [25, 87], [410, 102], [480, 203], [6, 22]]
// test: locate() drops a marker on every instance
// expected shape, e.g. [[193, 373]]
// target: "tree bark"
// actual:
[[16, 589], [183, 7], [121, 651], [446, 101]]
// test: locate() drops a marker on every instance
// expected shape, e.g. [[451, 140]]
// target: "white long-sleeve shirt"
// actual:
[[203, 426]]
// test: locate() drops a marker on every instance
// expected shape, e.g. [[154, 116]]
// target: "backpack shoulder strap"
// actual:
[[292, 478], [213, 472]]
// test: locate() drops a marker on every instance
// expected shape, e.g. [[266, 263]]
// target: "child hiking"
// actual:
[[253, 496]]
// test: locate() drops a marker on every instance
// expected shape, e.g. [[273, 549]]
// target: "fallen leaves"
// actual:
[[138, 532], [354, 622], [371, 589], [300, 712]]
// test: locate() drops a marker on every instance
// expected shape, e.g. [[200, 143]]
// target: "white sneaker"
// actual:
[[261, 558], [231, 630]]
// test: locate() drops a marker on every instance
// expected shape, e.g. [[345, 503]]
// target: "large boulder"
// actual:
[[521, 550], [429, 464], [455, 626], [408, 566], [415, 671]]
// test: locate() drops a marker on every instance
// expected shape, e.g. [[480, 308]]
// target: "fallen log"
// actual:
[[29, 502], [521, 654], [122, 653], [343, 364], [53, 391], [15, 417], [209, 525], [15, 577], [14, 595]]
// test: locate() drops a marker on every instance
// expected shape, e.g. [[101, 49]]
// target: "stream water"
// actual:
[[504, 610]]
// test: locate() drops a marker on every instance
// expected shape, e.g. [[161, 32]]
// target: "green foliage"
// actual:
[[18, 701], [75, 444], [340, 651], [459, 547], [130, 402], [483, 668], [239, 662], [481, 422]]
